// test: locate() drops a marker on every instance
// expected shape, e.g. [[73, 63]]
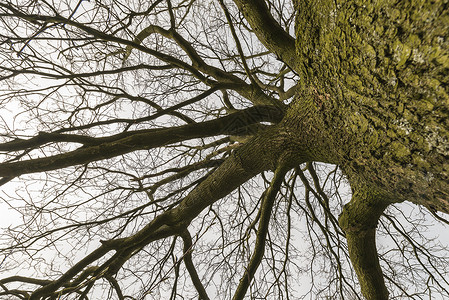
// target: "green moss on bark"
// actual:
[[379, 72], [375, 84]]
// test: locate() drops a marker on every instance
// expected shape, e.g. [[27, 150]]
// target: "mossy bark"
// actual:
[[378, 74], [359, 220], [373, 98], [374, 92]]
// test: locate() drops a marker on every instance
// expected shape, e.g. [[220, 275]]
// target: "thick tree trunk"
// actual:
[[374, 96], [378, 77]]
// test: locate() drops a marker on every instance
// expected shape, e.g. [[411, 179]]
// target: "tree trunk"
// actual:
[[377, 79], [374, 95], [372, 98]]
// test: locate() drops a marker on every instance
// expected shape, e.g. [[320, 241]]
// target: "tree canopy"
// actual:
[[224, 149]]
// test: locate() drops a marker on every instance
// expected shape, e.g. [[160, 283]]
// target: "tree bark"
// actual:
[[376, 83], [377, 75], [373, 98]]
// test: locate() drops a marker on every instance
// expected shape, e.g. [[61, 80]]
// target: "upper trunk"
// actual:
[[376, 78], [374, 95]]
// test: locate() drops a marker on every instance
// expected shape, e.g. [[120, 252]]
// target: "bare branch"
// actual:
[[262, 231]]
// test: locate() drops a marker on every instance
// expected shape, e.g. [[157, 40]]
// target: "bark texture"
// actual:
[[374, 93], [372, 98], [377, 74]]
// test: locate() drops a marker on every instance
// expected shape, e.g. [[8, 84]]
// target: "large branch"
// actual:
[[108, 147], [269, 32], [359, 221]]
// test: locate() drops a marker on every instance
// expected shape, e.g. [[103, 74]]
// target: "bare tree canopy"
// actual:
[[242, 149]]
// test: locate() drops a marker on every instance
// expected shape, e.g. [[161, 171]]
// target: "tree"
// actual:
[[171, 147]]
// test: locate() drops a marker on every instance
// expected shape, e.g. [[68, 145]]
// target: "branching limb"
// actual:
[[253, 92], [359, 221], [138, 140], [191, 267]]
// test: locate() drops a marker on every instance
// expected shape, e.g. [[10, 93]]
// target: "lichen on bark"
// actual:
[[374, 76], [380, 70]]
